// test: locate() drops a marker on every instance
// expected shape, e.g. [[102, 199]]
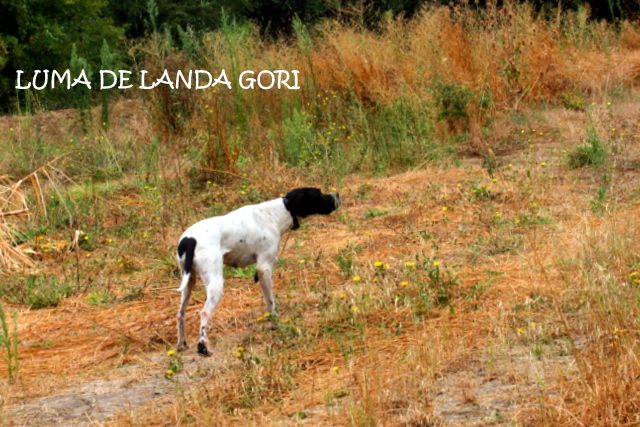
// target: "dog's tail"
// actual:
[[186, 248]]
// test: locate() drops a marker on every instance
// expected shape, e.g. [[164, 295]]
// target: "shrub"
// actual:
[[452, 101], [591, 153]]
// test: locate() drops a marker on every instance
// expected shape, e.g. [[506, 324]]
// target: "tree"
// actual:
[[39, 34]]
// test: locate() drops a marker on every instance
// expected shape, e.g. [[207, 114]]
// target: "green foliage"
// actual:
[[374, 213], [364, 192], [481, 192], [107, 62], [452, 101], [190, 43], [100, 298], [80, 94], [591, 153], [574, 100], [345, 261], [9, 343], [399, 135], [24, 153], [37, 291], [248, 272], [441, 281], [299, 141], [174, 364], [38, 35], [152, 10], [598, 203]]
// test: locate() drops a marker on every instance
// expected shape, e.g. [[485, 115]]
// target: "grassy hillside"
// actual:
[[483, 269]]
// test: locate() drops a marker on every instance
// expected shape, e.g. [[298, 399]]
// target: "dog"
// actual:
[[248, 235]]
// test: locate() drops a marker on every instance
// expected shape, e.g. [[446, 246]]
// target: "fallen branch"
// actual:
[[15, 212]]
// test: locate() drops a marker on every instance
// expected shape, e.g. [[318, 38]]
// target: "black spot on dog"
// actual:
[[187, 246], [203, 350]]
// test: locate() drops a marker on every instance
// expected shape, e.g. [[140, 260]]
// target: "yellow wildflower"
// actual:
[[239, 352]]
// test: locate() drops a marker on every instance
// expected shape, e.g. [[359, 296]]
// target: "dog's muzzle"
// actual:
[[336, 200]]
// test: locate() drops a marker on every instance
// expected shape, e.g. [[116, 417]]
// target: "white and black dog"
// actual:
[[248, 235]]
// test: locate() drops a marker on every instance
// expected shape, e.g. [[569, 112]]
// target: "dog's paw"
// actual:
[[182, 346], [203, 350]]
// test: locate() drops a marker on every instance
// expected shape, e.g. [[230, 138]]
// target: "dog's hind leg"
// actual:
[[212, 275], [184, 301]]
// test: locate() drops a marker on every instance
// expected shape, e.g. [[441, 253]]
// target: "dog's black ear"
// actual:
[[306, 201]]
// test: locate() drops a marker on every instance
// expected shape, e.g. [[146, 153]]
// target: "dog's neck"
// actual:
[[295, 224]]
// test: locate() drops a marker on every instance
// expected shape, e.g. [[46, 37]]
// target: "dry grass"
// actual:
[[14, 202]]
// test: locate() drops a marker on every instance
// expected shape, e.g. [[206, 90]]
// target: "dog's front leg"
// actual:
[[264, 275]]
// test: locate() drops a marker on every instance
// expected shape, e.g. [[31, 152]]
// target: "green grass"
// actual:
[[100, 298], [9, 343], [592, 153], [37, 291], [247, 272], [374, 213]]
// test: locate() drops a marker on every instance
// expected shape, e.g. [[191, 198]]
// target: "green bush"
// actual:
[[299, 141], [592, 153], [452, 101]]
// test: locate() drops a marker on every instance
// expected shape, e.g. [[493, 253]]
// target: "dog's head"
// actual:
[[302, 202]]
